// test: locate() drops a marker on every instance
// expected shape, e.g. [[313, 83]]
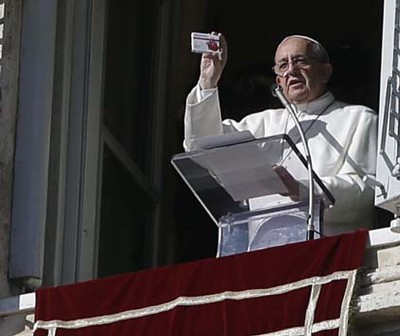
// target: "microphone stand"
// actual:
[[277, 92]]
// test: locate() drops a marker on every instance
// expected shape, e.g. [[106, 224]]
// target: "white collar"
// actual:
[[317, 105]]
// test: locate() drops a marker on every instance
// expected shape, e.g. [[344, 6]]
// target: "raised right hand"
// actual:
[[212, 65]]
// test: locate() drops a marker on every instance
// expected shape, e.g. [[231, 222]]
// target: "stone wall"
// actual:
[[378, 304]]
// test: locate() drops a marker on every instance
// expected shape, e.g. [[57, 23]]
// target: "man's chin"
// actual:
[[298, 97]]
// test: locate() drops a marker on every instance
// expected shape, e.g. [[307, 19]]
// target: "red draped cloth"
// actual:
[[298, 289]]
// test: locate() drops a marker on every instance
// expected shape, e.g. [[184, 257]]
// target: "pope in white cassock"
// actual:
[[342, 138]]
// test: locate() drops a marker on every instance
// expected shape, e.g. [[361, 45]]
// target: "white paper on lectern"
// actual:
[[243, 171], [213, 141]]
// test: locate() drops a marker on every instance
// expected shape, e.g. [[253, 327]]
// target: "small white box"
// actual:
[[205, 43]]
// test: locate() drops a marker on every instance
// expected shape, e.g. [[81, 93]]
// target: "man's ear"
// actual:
[[278, 80], [326, 72]]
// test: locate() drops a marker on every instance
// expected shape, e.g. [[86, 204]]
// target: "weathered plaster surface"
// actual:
[[379, 293]]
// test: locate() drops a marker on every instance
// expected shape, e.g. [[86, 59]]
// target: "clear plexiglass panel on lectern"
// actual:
[[238, 187]]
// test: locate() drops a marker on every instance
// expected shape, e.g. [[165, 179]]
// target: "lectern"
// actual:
[[236, 183]]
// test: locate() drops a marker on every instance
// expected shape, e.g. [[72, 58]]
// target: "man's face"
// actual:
[[305, 77]]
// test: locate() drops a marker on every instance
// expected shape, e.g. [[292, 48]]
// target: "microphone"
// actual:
[[277, 91]]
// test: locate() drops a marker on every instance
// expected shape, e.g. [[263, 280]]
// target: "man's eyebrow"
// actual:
[[285, 58]]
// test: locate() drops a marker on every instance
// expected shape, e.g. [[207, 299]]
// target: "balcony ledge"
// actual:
[[377, 308]]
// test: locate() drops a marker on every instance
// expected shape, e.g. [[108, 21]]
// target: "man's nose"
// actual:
[[291, 67]]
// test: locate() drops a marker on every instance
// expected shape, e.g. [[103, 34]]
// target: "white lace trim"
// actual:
[[300, 331], [307, 329], [312, 305]]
